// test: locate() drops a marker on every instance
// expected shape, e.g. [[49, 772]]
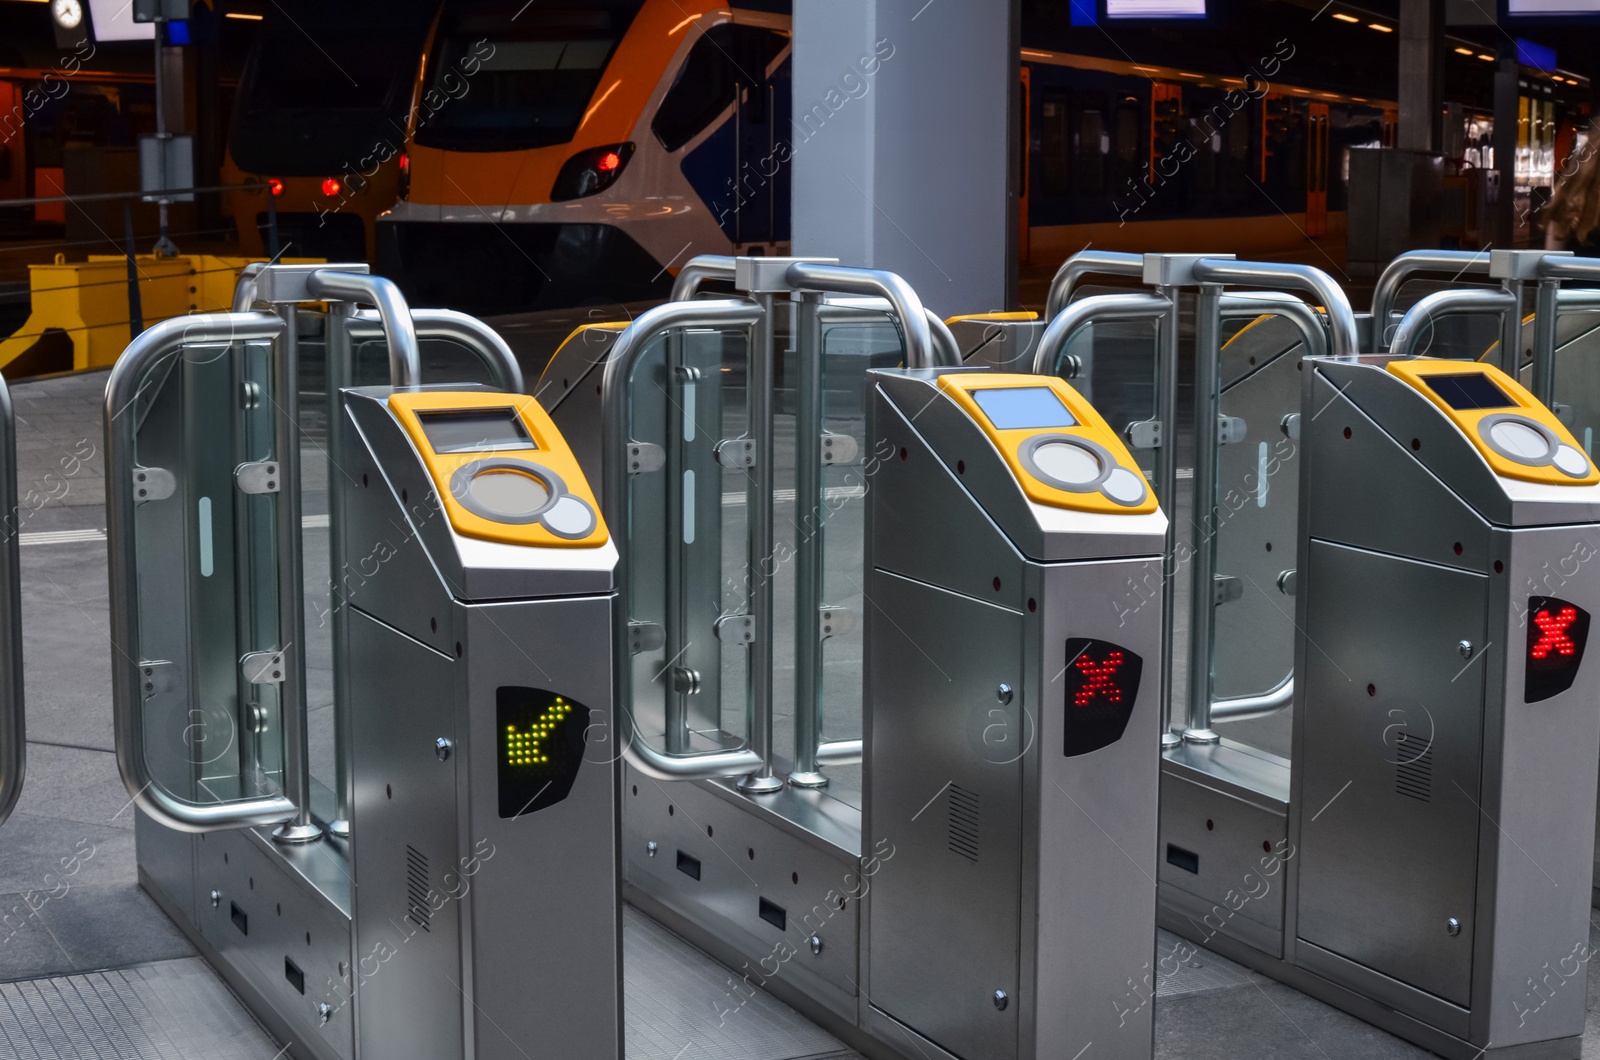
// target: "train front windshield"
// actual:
[[509, 77]]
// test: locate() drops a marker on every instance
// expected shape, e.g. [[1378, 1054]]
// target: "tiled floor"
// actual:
[[70, 909]]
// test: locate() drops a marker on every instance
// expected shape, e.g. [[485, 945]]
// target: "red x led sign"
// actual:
[[1102, 682], [1557, 633]]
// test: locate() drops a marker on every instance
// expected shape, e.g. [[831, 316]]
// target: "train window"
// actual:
[[1054, 178], [500, 82], [1239, 136], [1128, 115], [1090, 148], [725, 58]]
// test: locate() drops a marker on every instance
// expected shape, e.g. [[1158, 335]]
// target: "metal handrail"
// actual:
[[944, 340], [1310, 323], [478, 337], [1099, 308], [405, 359], [921, 351], [1344, 340], [1242, 708], [13, 713], [625, 353], [1407, 265], [1087, 263], [244, 289], [122, 389], [697, 270], [1420, 317]]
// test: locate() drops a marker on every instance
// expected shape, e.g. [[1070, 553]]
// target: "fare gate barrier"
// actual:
[[466, 755], [13, 711]]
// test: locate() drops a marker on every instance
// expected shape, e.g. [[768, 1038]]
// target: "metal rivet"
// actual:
[[324, 1012], [1003, 692], [216, 899], [1464, 649], [816, 945], [651, 848], [1001, 1000], [1452, 927], [441, 748]]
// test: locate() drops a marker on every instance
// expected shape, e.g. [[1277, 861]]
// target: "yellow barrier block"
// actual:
[[80, 316]]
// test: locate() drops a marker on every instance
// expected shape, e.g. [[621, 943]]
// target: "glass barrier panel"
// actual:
[[1118, 365], [206, 567], [1463, 336], [1577, 376]]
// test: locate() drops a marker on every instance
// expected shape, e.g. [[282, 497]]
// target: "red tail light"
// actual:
[[590, 172], [275, 185], [331, 187], [608, 162]]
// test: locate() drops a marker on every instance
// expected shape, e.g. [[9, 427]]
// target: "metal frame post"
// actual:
[[13, 712], [1202, 603], [1166, 472], [808, 551]]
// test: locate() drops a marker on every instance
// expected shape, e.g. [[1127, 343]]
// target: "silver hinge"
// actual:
[[1225, 588], [262, 668], [1290, 426], [157, 676], [1231, 430], [258, 477], [1288, 582], [736, 629], [645, 636], [835, 622], [645, 457], [1143, 434], [153, 484], [838, 449], [736, 452]]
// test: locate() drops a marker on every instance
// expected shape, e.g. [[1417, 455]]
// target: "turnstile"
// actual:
[[1012, 722], [472, 910], [1445, 727]]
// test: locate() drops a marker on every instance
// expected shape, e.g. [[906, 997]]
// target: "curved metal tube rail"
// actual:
[[1343, 339], [944, 340], [625, 353], [1408, 265], [1419, 319], [405, 359], [470, 332], [1095, 309], [13, 714], [696, 271], [921, 351], [1241, 708], [158, 341], [1088, 263]]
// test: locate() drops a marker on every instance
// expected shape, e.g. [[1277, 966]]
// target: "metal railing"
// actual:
[[1410, 265], [1088, 263], [699, 270], [1417, 324], [479, 338], [13, 712]]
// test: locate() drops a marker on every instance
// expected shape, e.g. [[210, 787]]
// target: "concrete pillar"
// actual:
[[1505, 146], [1421, 74], [903, 143]]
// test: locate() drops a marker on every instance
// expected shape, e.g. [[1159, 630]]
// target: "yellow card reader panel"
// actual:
[[502, 469], [1062, 451], [1517, 435]]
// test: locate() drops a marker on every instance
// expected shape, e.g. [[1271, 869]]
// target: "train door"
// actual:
[[1317, 170]]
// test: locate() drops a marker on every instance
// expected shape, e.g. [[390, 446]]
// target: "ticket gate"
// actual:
[[472, 910], [1012, 716], [13, 719]]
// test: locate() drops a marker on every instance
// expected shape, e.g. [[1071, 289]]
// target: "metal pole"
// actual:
[[681, 681], [135, 302], [808, 545], [13, 720], [291, 585], [1511, 328], [1544, 341], [762, 553], [1202, 606], [1087, 263], [272, 227], [338, 366], [1166, 473]]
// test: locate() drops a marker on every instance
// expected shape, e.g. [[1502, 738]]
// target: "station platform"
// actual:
[[90, 967]]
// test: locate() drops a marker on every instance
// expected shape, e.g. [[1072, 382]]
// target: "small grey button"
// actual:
[[1464, 649], [650, 848], [816, 945], [1004, 692], [1001, 1000], [1452, 927]]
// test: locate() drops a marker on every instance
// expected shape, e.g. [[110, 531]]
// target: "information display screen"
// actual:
[[1155, 8], [1557, 634], [1470, 390], [1024, 407], [1102, 682], [541, 740], [475, 430]]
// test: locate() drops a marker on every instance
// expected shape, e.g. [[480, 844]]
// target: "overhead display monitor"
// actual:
[[1548, 12], [1155, 9], [113, 20]]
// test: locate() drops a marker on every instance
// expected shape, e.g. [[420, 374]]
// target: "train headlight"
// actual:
[[591, 172]]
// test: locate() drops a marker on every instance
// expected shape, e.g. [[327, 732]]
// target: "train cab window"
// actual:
[[724, 59], [513, 76], [1239, 136], [1090, 149]]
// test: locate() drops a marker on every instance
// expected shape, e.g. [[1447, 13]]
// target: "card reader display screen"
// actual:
[[1023, 407], [1470, 390], [1102, 685], [540, 737], [475, 430]]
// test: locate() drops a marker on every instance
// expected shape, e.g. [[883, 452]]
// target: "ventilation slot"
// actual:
[[1413, 767], [963, 823], [418, 911]]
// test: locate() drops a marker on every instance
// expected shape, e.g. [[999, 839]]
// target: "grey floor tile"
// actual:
[[41, 853], [112, 926], [1267, 1021], [27, 949], [72, 784]]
